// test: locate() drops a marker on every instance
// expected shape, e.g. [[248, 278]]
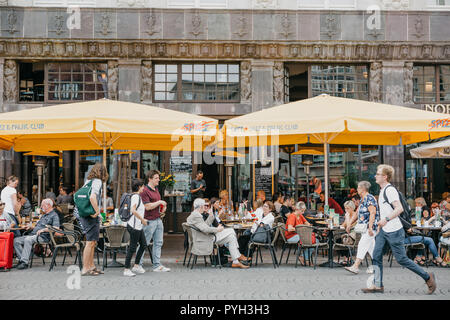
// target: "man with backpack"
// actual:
[[391, 231]]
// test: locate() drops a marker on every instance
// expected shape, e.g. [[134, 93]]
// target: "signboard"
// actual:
[[181, 168], [441, 108], [263, 178]]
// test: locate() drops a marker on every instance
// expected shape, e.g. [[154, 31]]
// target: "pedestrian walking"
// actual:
[[390, 231], [134, 227]]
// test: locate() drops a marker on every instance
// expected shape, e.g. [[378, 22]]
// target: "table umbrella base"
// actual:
[[331, 264], [115, 264]]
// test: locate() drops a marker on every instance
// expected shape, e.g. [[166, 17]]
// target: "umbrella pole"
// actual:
[[104, 183], [296, 175], [325, 166]]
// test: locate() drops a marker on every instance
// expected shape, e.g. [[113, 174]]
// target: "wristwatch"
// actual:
[[387, 219]]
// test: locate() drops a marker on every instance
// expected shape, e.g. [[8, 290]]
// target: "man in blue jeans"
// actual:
[[154, 228], [390, 231]]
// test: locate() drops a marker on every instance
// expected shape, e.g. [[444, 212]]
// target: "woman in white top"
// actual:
[[134, 227], [267, 218], [9, 197]]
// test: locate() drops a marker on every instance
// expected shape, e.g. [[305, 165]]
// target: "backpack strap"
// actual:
[[385, 196]]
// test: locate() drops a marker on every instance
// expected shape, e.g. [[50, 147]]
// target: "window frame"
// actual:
[[344, 65], [83, 92], [179, 92], [437, 93]]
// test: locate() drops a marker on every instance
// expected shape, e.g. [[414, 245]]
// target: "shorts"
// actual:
[[91, 228]]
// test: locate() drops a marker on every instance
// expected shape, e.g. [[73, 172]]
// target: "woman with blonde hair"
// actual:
[[91, 224]]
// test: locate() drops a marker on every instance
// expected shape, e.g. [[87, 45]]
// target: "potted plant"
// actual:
[[166, 182]]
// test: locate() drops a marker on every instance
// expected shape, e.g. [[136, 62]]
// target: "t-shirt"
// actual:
[[386, 209], [334, 205], [195, 185], [284, 211], [150, 196], [268, 220], [134, 222], [294, 221], [63, 199], [6, 197]]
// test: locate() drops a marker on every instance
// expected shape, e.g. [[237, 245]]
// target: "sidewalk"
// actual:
[[261, 282]]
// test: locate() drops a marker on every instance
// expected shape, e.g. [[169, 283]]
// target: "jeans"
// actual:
[[427, 241], [154, 230], [296, 239], [135, 237], [23, 246], [396, 241]]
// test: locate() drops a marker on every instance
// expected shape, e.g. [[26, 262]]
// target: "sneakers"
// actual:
[[161, 268], [138, 269], [22, 266], [369, 270], [128, 273]]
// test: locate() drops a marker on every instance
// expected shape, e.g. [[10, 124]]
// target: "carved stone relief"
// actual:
[[246, 82], [113, 79], [151, 20], [146, 89], [278, 83], [375, 81], [265, 4], [10, 81], [242, 26], [394, 95], [408, 73]]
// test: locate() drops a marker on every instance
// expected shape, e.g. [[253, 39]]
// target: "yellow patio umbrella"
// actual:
[[41, 153], [5, 144], [229, 154], [309, 151], [326, 119], [103, 124]]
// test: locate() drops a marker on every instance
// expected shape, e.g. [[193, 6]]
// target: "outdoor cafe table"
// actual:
[[434, 232], [330, 263]]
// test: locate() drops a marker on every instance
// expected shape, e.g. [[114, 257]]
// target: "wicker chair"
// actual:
[[409, 247], [305, 234], [350, 249], [113, 241], [193, 256]]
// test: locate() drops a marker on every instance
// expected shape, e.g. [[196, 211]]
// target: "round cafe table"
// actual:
[[330, 263]]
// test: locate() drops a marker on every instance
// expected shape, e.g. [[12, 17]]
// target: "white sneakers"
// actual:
[[128, 273], [161, 268], [138, 269]]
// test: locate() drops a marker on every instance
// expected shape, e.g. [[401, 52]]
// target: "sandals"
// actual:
[[441, 264], [420, 262], [98, 271], [92, 272]]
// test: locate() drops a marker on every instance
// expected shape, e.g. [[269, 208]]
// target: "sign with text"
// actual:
[[441, 108], [263, 178]]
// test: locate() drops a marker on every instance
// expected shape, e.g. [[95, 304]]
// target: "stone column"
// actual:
[[393, 93], [146, 81], [262, 84]]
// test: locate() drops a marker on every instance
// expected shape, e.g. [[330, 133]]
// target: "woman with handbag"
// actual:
[[368, 217]]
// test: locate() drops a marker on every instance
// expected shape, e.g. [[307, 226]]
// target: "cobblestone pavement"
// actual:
[[261, 282]]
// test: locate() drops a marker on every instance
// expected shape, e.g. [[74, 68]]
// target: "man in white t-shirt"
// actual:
[[9, 197], [390, 230]]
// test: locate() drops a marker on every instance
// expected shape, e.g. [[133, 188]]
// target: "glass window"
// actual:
[[76, 81], [198, 82], [31, 82], [340, 81], [425, 88]]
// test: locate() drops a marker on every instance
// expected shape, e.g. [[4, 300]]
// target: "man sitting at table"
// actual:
[[332, 204], [23, 245], [203, 240]]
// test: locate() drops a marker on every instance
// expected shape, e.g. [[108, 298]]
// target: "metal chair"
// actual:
[[286, 244], [113, 241], [68, 240], [409, 247], [258, 245], [350, 249], [305, 234]]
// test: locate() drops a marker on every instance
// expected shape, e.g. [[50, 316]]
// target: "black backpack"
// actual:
[[405, 216], [125, 206]]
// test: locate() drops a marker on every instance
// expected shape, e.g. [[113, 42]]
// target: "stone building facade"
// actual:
[[263, 37]]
